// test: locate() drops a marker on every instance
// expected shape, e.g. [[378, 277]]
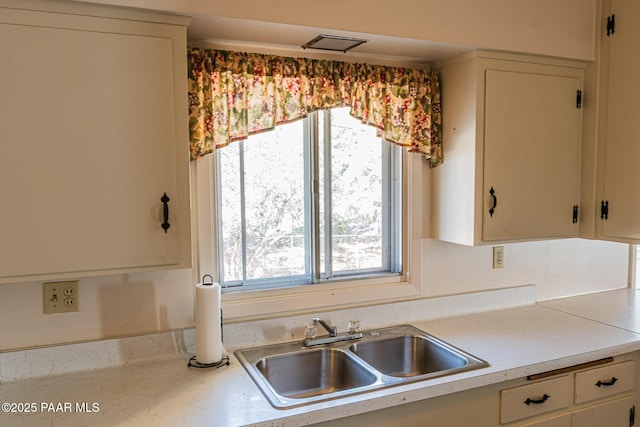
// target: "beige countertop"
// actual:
[[516, 342], [619, 308]]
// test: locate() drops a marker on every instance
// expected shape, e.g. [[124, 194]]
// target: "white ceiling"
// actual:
[[231, 33]]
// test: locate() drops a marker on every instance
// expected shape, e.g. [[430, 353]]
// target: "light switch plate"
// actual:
[[60, 297]]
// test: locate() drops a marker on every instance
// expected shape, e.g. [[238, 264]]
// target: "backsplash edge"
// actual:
[[109, 353]]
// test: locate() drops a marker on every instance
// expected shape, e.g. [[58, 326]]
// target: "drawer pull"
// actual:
[[607, 384], [529, 400]]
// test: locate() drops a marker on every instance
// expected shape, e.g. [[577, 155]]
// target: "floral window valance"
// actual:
[[233, 95]]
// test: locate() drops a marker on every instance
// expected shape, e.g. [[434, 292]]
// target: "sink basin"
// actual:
[[314, 372], [409, 355], [291, 374]]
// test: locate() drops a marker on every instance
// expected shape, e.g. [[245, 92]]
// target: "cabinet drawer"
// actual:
[[604, 381], [534, 399]]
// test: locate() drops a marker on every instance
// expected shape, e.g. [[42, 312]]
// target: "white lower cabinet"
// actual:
[[616, 413], [598, 396], [563, 420], [594, 397]]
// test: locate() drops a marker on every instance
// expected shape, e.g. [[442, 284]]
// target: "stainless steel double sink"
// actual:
[[292, 375]]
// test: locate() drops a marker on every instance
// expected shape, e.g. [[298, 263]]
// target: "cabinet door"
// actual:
[[531, 155], [87, 148], [614, 413], [559, 421], [622, 174]]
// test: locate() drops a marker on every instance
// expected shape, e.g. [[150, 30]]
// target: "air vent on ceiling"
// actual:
[[336, 43]]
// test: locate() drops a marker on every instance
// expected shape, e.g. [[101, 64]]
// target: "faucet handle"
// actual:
[[311, 331], [354, 326]]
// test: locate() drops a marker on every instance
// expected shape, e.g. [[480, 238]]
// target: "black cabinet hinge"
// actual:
[[575, 214], [611, 24], [632, 416], [604, 209], [578, 99]]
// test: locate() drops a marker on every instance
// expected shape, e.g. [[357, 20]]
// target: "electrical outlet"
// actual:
[[60, 297], [498, 256]]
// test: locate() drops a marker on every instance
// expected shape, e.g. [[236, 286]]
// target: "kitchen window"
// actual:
[[315, 200]]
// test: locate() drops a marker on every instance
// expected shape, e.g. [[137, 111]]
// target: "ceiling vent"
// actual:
[[335, 43]]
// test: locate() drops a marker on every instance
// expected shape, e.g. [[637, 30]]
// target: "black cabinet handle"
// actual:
[[604, 209], [492, 192], [165, 205], [607, 384], [529, 400]]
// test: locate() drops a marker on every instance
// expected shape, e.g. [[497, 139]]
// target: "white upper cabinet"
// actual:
[[618, 201], [94, 133], [512, 137]]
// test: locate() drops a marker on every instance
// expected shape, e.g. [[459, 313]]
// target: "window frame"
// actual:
[[392, 194], [317, 148], [248, 284], [267, 303], [634, 272]]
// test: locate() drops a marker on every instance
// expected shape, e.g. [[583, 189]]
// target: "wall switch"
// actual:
[[498, 256], [60, 297]]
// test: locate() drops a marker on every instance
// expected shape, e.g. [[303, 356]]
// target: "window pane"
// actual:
[[275, 217], [269, 200], [636, 266], [356, 189], [229, 197], [325, 266]]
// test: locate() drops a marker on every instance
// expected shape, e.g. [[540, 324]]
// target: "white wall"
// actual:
[[556, 28], [109, 306], [558, 268], [142, 303], [148, 302]]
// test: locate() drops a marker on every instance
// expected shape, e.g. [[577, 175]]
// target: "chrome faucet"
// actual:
[[334, 336], [333, 331]]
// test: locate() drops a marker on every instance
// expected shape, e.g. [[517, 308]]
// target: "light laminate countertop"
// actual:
[[516, 342]]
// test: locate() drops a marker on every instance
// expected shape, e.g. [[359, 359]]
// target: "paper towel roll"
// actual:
[[208, 332]]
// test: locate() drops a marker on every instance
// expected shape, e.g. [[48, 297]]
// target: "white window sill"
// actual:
[[261, 304], [272, 303]]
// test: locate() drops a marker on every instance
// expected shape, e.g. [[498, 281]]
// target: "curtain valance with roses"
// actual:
[[233, 95]]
